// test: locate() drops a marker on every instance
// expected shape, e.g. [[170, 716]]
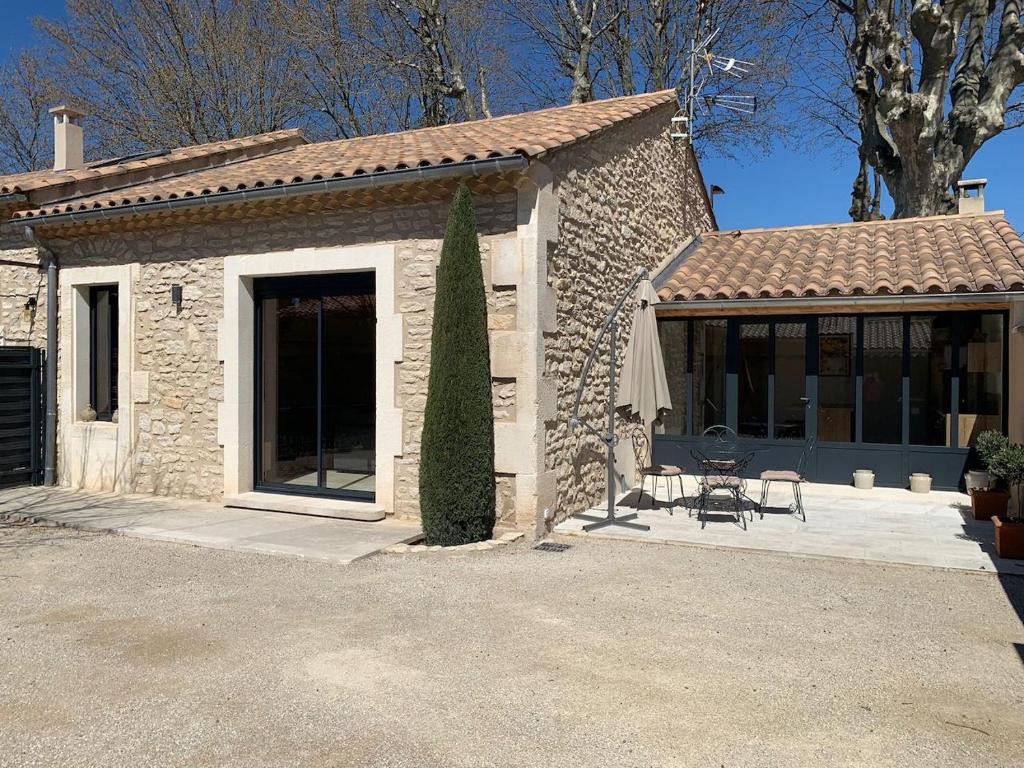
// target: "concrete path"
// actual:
[[205, 524], [882, 524]]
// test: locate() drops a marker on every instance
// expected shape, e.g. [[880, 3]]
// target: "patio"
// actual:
[[882, 524]]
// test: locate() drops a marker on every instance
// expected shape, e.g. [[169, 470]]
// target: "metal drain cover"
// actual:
[[551, 546]]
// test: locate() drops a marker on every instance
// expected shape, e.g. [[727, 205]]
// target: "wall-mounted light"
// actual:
[[176, 297], [31, 304]]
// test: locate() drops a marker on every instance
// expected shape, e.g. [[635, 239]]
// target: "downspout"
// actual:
[[50, 429]]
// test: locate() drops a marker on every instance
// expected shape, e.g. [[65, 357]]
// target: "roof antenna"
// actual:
[[705, 67]]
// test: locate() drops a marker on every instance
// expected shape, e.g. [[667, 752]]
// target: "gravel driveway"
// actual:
[[120, 652]]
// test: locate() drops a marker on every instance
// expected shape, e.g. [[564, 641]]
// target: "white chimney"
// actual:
[[68, 144], [971, 195]]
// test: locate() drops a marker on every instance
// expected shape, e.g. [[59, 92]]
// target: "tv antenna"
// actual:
[[705, 68]]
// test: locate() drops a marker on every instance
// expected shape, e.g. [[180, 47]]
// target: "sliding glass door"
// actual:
[[894, 392], [315, 385]]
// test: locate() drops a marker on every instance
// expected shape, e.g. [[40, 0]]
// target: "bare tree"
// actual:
[[648, 45], [928, 84], [158, 73], [442, 50], [26, 142], [343, 86], [569, 31]]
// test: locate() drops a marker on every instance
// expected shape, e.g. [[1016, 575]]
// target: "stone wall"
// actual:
[[20, 326], [627, 199], [177, 379]]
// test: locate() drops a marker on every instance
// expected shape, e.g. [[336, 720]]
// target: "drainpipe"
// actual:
[[50, 435]]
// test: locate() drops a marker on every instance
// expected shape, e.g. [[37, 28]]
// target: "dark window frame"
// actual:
[[113, 351], [812, 364]]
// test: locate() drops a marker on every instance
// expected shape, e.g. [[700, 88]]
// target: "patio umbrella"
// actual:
[[644, 384]]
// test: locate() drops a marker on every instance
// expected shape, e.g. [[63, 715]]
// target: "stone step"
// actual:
[[344, 509]]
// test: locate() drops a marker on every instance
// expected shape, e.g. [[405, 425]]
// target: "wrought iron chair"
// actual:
[[642, 452], [720, 475], [795, 478]]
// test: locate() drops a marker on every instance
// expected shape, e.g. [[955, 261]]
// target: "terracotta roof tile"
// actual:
[[28, 182], [531, 134], [942, 254]]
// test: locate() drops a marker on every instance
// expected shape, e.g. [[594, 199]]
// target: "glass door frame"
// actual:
[[909, 457], [303, 286]]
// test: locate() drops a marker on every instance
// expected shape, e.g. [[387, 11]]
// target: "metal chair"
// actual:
[[642, 452], [795, 478], [719, 475]]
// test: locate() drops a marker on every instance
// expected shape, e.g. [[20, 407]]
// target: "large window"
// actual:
[[103, 351], [709, 347], [981, 376], [883, 379], [915, 379], [931, 363], [673, 336], [837, 379], [754, 364], [790, 374]]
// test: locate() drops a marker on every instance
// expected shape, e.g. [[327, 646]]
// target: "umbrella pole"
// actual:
[[610, 440]]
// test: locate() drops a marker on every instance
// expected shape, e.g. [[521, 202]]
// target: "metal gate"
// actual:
[[21, 416]]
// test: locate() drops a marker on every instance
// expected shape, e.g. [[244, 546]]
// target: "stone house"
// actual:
[[250, 320]]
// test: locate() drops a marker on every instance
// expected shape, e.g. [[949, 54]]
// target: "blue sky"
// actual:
[[789, 187]]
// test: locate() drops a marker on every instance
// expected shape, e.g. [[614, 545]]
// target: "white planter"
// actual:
[[920, 482], [978, 478], [864, 479]]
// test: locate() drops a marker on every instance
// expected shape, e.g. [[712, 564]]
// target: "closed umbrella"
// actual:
[[644, 384]]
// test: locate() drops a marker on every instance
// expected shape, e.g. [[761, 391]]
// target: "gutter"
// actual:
[[50, 430], [508, 163], [712, 306]]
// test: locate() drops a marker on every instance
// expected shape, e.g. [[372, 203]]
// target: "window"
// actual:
[[981, 376], [709, 344], [931, 362], [837, 351], [103, 351], [790, 380], [883, 379], [672, 334], [754, 361]]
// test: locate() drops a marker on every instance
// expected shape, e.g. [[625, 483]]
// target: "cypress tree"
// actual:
[[457, 448]]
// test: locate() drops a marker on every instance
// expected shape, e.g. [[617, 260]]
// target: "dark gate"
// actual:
[[21, 416]]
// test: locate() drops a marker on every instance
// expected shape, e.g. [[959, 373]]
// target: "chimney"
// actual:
[[971, 195], [68, 146]]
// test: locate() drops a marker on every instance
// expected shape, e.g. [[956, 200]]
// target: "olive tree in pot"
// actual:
[[1008, 464], [987, 502]]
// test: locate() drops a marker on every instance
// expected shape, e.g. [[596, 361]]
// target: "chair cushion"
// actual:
[[723, 481], [662, 470], [784, 475]]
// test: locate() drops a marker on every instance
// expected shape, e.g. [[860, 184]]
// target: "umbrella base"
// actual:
[[622, 520]]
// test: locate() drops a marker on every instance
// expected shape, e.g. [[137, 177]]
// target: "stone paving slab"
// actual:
[[205, 524], [882, 524]]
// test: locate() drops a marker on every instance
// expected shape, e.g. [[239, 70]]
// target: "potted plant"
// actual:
[[1009, 529], [988, 501]]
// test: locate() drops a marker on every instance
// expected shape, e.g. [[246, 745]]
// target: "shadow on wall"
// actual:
[[92, 460]]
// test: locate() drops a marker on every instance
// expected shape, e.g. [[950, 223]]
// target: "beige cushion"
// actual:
[[724, 481], [662, 470], [784, 475]]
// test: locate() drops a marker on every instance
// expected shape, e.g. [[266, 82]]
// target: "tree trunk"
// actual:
[[919, 150]]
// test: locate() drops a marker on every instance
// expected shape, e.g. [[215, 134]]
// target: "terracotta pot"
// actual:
[[1009, 538], [989, 504]]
